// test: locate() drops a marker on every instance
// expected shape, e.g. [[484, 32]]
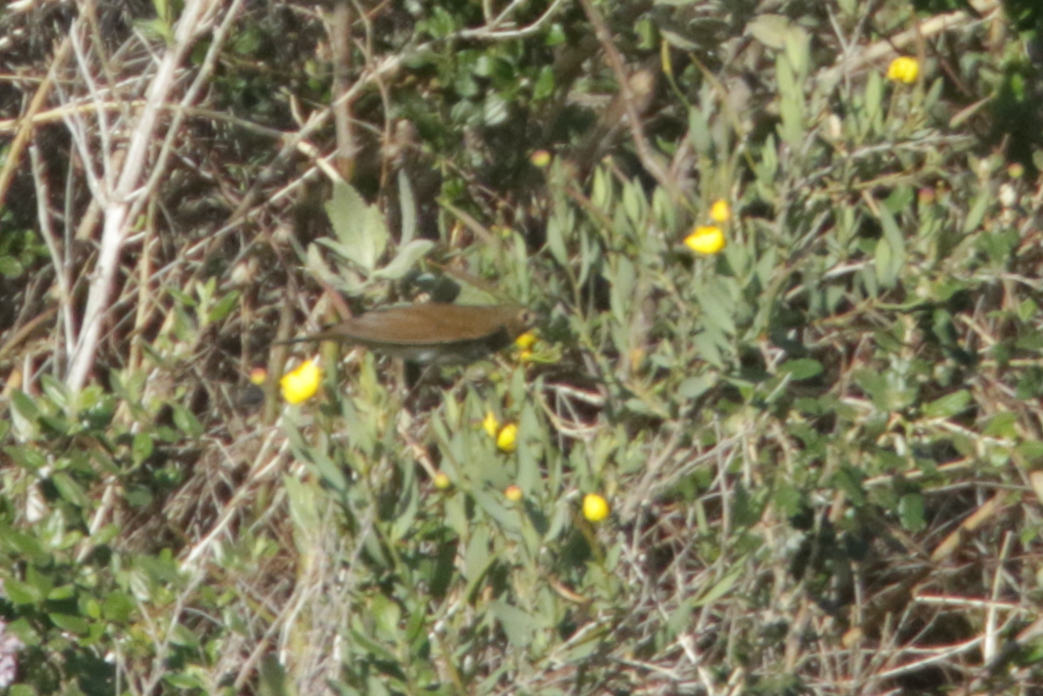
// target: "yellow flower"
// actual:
[[706, 240], [524, 343], [527, 340], [505, 437], [442, 481], [491, 425], [903, 69], [595, 508], [301, 384], [258, 376], [507, 440], [513, 493], [720, 212], [540, 158]]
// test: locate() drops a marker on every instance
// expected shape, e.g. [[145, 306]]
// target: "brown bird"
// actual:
[[432, 332]]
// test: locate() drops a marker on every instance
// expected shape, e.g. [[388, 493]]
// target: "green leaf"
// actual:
[[68, 622], [141, 448], [304, 508], [849, 479], [273, 680], [791, 106], [874, 92], [24, 405], [387, 615], [556, 241], [803, 368], [708, 345], [602, 190], [948, 405], [490, 504], [185, 421], [182, 635], [408, 505], [910, 511], [797, 52], [69, 489], [118, 606], [718, 308], [977, 212], [404, 260], [519, 626], [1003, 424], [27, 457], [477, 558], [360, 228], [225, 305], [373, 648], [25, 544], [56, 392], [11, 267], [60, 594], [317, 265], [694, 387], [890, 252], [328, 471], [634, 203], [883, 257], [183, 298], [770, 29], [545, 82], [722, 587], [21, 592], [623, 277], [699, 131]]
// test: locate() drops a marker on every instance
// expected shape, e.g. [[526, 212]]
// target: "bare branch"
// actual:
[[194, 19], [61, 266]]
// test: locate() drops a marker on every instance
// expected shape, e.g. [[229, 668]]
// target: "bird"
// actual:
[[431, 332]]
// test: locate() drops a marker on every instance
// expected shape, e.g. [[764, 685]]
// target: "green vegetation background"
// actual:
[[821, 446]]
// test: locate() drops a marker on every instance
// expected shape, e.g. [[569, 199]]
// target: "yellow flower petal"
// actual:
[[527, 340], [258, 375], [706, 240], [903, 69], [595, 508], [720, 211], [540, 158], [491, 425], [301, 384], [507, 440]]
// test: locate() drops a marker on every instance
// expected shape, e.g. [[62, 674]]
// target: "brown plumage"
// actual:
[[432, 332]]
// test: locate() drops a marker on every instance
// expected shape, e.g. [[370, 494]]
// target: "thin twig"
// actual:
[[650, 160], [61, 265], [25, 123]]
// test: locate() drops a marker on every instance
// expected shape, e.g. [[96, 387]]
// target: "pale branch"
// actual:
[[195, 18]]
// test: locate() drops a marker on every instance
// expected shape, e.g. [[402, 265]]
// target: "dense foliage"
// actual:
[[819, 444]]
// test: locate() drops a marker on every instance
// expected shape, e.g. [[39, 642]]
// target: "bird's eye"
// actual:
[[528, 317]]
